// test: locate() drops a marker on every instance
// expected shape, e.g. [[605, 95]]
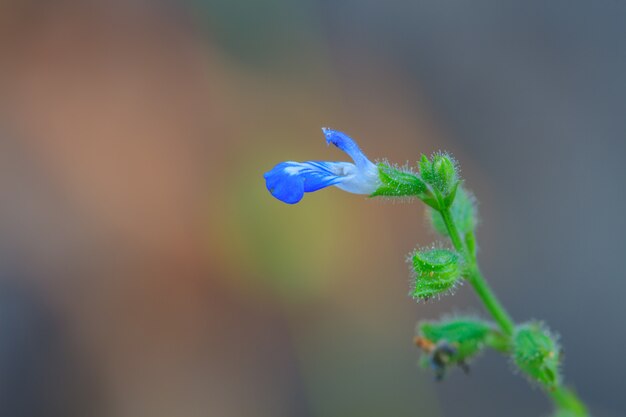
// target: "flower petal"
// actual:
[[321, 174], [348, 145], [288, 181], [286, 187]]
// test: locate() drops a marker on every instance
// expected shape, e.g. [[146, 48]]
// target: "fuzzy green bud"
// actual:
[[444, 172], [537, 354], [441, 173], [436, 271]]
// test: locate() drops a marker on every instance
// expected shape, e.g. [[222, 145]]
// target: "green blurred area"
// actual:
[[262, 33]]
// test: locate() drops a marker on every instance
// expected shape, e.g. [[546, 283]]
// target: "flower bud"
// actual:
[[444, 171], [441, 173], [436, 271], [537, 354]]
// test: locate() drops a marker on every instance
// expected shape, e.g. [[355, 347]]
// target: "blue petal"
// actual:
[[348, 145], [318, 175], [288, 181], [285, 187]]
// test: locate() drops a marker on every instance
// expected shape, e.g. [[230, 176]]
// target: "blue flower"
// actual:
[[288, 181]]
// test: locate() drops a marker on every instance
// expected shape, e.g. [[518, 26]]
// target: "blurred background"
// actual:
[[146, 271]]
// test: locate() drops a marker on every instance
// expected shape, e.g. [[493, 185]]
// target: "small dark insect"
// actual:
[[440, 356]]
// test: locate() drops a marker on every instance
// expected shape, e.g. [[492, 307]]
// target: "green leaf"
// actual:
[[468, 335], [453, 341], [436, 272], [463, 211], [399, 183], [537, 354]]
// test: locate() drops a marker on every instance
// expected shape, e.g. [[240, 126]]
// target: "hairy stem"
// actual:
[[563, 398], [492, 304], [474, 276], [567, 400]]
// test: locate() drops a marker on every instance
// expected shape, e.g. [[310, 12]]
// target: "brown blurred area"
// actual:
[[113, 129], [120, 125]]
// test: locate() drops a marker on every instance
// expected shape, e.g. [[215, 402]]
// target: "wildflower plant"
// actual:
[[452, 341]]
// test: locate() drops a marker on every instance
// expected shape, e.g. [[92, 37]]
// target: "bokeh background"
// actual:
[[146, 271]]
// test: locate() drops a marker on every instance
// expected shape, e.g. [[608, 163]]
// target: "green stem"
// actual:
[[492, 304], [474, 276], [566, 400], [563, 398]]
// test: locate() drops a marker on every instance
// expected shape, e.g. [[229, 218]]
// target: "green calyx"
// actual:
[[436, 271], [537, 353], [399, 183], [440, 172]]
